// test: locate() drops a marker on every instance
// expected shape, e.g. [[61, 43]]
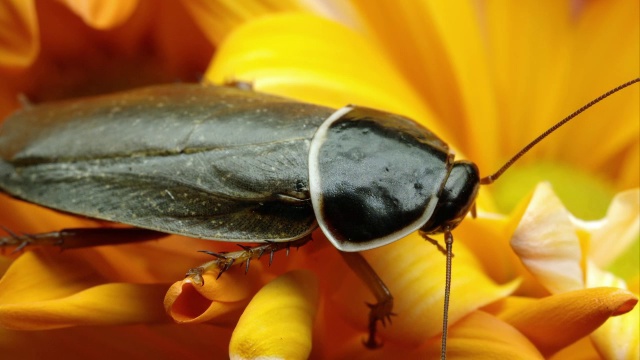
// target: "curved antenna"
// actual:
[[493, 177]]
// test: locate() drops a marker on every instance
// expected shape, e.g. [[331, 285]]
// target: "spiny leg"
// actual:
[[381, 311], [79, 238], [224, 260]]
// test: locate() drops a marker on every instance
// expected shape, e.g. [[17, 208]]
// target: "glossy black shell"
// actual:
[[375, 177], [203, 161], [227, 164]]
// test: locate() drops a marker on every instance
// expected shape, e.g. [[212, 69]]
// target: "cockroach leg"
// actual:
[[78, 238], [434, 242], [381, 311], [224, 260]]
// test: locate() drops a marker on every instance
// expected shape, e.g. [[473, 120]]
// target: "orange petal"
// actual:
[[482, 336], [557, 321], [167, 341], [218, 18], [581, 349], [546, 242], [103, 14], [277, 323], [414, 272], [40, 291], [618, 337], [219, 300], [320, 62], [19, 37], [476, 336]]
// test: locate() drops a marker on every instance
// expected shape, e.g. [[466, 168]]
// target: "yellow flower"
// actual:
[[487, 78]]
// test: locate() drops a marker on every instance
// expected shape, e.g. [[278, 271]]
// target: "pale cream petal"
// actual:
[[546, 242], [614, 234]]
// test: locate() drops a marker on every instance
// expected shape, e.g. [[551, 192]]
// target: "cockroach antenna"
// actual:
[[493, 177]]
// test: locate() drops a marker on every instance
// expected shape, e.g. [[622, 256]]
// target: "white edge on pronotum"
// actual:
[[317, 200]]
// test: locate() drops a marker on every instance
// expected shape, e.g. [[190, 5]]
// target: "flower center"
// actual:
[[586, 196]]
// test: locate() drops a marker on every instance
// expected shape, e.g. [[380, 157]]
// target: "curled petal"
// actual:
[[219, 300], [277, 323], [557, 321], [547, 244], [103, 14]]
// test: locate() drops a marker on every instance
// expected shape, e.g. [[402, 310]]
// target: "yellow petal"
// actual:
[[547, 244], [529, 53], [488, 236], [604, 27], [40, 291], [219, 300], [320, 62], [46, 275], [556, 321], [618, 337], [613, 235], [438, 46], [109, 304], [414, 272], [277, 323], [102, 14]]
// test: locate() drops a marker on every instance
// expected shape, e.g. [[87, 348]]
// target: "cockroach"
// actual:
[[229, 164]]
